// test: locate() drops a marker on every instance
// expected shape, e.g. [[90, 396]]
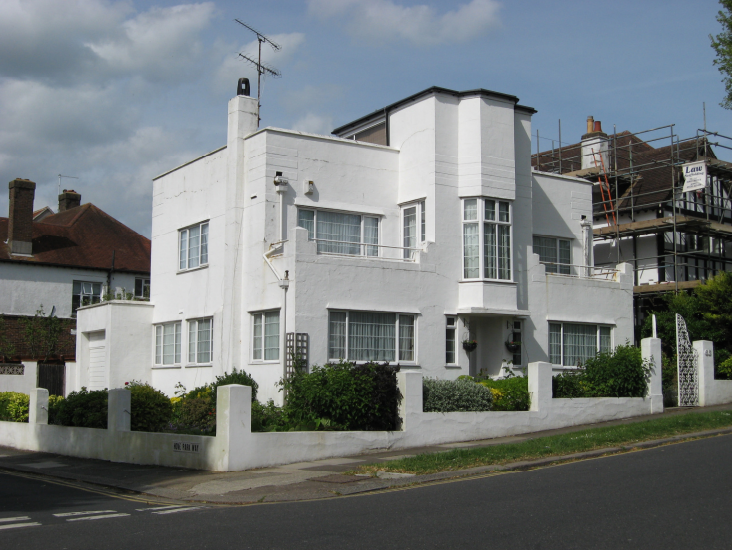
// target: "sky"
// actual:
[[115, 93]]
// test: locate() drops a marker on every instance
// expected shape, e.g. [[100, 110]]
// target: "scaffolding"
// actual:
[[638, 194]]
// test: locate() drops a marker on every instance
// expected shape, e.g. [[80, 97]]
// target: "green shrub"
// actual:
[[620, 373], [151, 409], [268, 417], [236, 377], [344, 396], [724, 370], [54, 402], [455, 395], [670, 381], [510, 393], [14, 406], [87, 409]]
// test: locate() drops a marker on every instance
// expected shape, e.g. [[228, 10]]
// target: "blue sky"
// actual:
[[116, 92]]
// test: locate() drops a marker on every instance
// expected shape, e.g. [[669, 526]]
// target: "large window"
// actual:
[[85, 294], [341, 233], [200, 340], [167, 344], [450, 341], [266, 336], [414, 228], [371, 336], [486, 228], [571, 344], [193, 246], [555, 253]]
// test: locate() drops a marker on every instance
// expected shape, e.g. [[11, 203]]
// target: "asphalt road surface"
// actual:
[[677, 496]]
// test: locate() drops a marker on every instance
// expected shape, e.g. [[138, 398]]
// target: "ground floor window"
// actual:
[[200, 340], [571, 344], [266, 336], [516, 341], [371, 336], [167, 343], [450, 341]]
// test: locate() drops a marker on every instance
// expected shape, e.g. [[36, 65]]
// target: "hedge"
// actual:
[[455, 395]]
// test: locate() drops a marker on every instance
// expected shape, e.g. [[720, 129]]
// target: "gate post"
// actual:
[[38, 406], [705, 362], [651, 352]]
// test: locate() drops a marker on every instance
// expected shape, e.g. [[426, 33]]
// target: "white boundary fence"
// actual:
[[235, 447]]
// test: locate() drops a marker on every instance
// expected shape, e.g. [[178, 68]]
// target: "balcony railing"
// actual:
[[366, 250], [581, 271]]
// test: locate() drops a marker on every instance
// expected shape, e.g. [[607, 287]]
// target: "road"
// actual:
[[677, 496]]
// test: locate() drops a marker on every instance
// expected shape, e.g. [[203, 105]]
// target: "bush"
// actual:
[[510, 393], [14, 406], [151, 408], [87, 409], [724, 370], [268, 417], [54, 402], [344, 396], [620, 373], [455, 395]]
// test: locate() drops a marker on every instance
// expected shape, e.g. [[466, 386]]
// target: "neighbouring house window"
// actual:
[[555, 253], [193, 246], [371, 336], [142, 288], [571, 344], [414, 228], [340, 232], [517, 339], [450, 341], [266, 336], [85, 294], [494, 218], [200, 340], [167, 343]]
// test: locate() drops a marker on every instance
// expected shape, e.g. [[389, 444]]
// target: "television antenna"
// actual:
[[262, 69], [59, 181]]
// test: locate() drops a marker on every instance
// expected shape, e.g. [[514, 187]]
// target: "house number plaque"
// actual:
[[181, 447]]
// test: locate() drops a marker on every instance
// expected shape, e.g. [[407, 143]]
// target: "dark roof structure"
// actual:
[[82, 237]]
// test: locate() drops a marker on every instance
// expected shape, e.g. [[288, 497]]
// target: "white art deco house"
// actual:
[[408, 232]]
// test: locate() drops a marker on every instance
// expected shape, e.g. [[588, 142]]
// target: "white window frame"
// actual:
[[368, 250], [397, 336], [598, 341], [145, 286], [94, 297], [482, 222], [159, 347], [451, 325], [558, 266], [193, 343], [420, 226], [184, 243], [259, 351]]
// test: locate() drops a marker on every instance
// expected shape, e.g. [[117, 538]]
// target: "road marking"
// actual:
[[69, 514], [19, 518], [98, 517], [178, 510], [16, 525], [159, 508]]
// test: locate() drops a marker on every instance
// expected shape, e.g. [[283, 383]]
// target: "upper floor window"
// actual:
[[85, 294], [142, 288], [200, 341], [341, 233], [193, 246], [413, 227], [167, 343], [571, 344], [486, 228], [371, 336], [555, 253]]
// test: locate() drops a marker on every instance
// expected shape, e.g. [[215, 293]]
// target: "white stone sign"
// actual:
[[695, 176], [182, 447]]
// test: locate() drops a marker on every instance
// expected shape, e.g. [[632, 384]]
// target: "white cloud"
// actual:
[[384, 20], [314, 124]]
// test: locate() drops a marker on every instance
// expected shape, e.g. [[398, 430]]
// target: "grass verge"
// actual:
[[556, 445]]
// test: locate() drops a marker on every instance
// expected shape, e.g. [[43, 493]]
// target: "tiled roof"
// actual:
[[84, 237]]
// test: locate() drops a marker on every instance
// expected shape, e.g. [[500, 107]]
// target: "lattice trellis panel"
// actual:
[[297, 347], [686, 361], [12, 368]]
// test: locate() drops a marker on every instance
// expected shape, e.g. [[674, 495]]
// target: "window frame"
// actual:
[[420, 226], [557, 267], [451, 324], [145, 285], [159, 333], [598, 339], [481, 221], [95, 298], [517, 330], [262, 316], [189, 342], [365, 250], [397, 337], [186, 231]]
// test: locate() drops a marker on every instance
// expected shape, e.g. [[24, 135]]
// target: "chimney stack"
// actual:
[[20, 216], [595, 146], [68, 199]]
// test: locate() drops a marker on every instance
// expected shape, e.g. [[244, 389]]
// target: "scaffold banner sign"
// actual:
[[695, 176]]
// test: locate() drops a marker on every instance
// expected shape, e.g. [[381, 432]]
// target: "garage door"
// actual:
[[97, 361]]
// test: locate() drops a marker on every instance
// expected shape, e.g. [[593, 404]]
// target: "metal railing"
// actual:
[[581, 271], [366, 250]]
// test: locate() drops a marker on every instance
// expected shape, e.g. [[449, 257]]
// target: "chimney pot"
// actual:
[[20, 216], [598, 126], [68, 199], [590, 123]]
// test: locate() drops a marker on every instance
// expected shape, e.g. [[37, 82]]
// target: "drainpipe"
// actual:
[[587, 257], [284, 284]]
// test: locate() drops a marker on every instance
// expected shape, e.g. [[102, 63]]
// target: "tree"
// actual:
[[6, 346], [43, 333], [722, 44]]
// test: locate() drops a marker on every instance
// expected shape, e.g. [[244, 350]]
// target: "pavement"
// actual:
[[294, 482]]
